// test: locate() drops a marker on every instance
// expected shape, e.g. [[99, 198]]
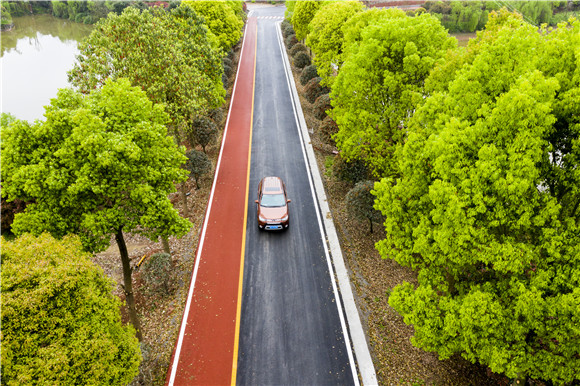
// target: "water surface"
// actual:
[[36, 56]]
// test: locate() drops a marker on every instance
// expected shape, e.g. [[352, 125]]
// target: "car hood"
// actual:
[[273, 213]]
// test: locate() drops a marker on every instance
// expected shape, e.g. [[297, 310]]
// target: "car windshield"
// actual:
[[273, 200]]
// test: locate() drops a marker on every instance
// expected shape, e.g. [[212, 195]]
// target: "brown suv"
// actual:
[[272, 204]]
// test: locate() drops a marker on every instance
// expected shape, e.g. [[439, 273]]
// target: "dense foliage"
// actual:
[[168, 55], [224, 20], [61, 323], [326, 39], [203, 131], [157, 274], [308, 73], [381, 82], [313, 89], [360, 203], [301, 59], [100, 165], [302, 15], [197, 164], [486, 207], [321, 106], [469, 16]]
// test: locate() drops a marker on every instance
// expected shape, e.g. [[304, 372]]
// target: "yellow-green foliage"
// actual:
[[61, 324], [486, 204], [222, 19], [326, 37]]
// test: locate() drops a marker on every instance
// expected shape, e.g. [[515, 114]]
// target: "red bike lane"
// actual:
[[206, 348]]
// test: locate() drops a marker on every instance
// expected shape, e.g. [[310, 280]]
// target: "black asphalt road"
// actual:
[[290, 331]]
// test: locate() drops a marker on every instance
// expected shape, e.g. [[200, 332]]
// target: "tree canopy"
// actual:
[[61, 323], [223, 19], [96, 164], [167, 54], [486, 205], [100, 165], [382, 81], [302, 15], [326, 37]]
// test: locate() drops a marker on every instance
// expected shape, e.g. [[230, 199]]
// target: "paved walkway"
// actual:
[[206, 350]]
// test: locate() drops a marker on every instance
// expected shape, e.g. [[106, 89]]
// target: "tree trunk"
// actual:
[[165, 243], [184, 200], [128, 284], [371, 222]]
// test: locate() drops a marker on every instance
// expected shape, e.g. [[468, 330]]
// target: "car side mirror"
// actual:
[[288, 200]]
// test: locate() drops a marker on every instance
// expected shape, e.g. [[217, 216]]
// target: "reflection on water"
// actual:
[[36, 55]]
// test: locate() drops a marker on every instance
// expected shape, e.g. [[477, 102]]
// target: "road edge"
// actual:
[[363, 357]]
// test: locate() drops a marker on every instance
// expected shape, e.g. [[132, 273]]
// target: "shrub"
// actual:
[[157, 273], [308, 73], [301, 59], [231, 54], [198, 164], [298, 47], [327, 129], [228, 71], [290, 41], [313, 89], [227, 61], [287, 29], [321, 105], [351, 171], [216, 115], [360, 203], [204, 131]]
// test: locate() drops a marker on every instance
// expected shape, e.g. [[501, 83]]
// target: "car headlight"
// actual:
[[285, 218], [262, 218]]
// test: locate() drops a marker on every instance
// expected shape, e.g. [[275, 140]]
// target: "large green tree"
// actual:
[[167, 54], [486, 207], [303, 14], [326, 39], [61, 323], [382, 82], [223, 20], [99, 166]]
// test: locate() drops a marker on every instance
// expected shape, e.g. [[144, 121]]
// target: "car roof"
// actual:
[[272, 185]]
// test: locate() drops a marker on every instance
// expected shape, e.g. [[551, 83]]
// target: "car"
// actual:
[[272, 204]]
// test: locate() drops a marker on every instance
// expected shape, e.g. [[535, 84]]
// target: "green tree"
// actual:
[[382, 82], [197, 164], [166, 54], [360, 203], [326, 39], [290, 4], [204, 131], [223, 20], [303, 14], [486, 208], [99, 166], [61, 323]]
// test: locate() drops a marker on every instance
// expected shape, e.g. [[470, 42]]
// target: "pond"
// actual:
[[36, 55]]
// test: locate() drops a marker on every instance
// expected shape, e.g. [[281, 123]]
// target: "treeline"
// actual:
[[148, 87], [87, 12], [470, 16], [475, 154]]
